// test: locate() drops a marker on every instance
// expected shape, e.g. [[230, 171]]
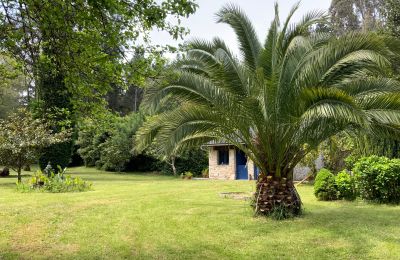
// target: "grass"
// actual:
[[159, 217]]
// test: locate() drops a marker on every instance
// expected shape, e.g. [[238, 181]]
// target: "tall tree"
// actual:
[[85, 42], [393, 17], [280, 99], [356, 15], [12, 84], [75, 50]]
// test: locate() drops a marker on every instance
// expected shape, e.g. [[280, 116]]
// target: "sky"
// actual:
[[261, 12]]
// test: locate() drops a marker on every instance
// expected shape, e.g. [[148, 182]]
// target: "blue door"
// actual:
[[241, 168]]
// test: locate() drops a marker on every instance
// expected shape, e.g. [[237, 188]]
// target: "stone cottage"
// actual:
[[226, 162]]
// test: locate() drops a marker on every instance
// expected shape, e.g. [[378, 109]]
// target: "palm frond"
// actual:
[[248, 41], [281, 99]]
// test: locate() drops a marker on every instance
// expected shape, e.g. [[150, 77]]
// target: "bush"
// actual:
[[116, 151], [378, 179], [55, 183], [350, 161], [205, 173], [325, 186], [143, 163], [88, 143], [5, 172], [187, 175], [193, 160], [56, 154], [345, 186], [58, 112], [108, 144]]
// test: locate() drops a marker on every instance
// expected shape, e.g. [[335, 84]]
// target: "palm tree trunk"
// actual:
[[276, 194]]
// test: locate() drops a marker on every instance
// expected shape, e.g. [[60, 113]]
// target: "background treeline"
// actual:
[[354, 16], [86, 65], [109, 145]]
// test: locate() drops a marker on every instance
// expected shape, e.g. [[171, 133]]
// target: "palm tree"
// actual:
[[277, 101]]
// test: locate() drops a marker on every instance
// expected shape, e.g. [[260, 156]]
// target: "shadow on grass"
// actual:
[[8, 185], [14, 176]]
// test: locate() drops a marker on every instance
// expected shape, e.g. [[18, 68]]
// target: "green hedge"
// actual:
[[345, 185], [374, 179], [378, 179], [325, 185]]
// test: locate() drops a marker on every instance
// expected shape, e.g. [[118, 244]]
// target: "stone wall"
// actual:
[[250, 169], [300, 172], [221, 172], [228, 172]]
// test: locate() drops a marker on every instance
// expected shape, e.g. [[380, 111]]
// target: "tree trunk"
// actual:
[[173, 165], [19, 175], [275, 194], [135, 101]]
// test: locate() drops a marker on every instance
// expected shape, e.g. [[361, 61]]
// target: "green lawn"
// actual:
[[148, 216]]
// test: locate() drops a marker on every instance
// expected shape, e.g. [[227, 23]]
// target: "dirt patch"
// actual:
[[34, 239], [29, 238]]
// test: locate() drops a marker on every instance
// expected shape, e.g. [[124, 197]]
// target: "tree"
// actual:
[[108, 144], [393, 17], [84, 44], [76, 50], [116, 151], [280, 100], [22, 137], [356, 15], [12, 84]]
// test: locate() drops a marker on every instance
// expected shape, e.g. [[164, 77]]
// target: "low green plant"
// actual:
[[187, 175], [281, 212], [205, 173], [54, 183], [345, 186], [378, 179], [325, 185]]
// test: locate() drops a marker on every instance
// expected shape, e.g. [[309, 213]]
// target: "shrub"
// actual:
[[193, 160], [55, 183], [325, 186], [5, 172], [205, 173], [56, 154], [116, 151], [187, 175], [378, 179], [108, 144], [350, 161], [345, 186], [61, 119]]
